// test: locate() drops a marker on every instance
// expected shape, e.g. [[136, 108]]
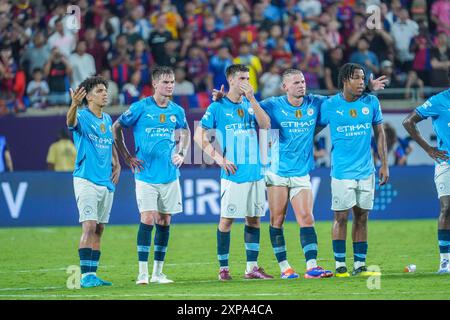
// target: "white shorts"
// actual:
[[295, 184], [349, 193], [442, 179], [94, 202], [240, 200], [164, 198]]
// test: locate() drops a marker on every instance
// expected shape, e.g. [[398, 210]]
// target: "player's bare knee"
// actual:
[[147, 218], [277, 221], [341, 218], [306, 220], [99, 229], [445, 209], [252, 222], [163, 219]]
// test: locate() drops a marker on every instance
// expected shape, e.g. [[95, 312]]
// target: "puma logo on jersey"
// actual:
[[229, 114], [340, 112], [285, 113]]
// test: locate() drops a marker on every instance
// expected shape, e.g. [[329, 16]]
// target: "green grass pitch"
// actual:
[[34, 263]]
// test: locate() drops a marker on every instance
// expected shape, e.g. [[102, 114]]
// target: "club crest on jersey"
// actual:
[[353, 113], [162, 118], [310, 112], [251, 111], [102, 128], [298, 114], [173, 118], [240, 112], [365, 111]]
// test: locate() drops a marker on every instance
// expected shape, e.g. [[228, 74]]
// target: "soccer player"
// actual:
[[155, 121], [235, 119], [438, 108], [352, 115], [97, 170], [294, 117]]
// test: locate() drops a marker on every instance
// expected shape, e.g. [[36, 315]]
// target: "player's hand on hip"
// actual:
[[116, 173], [438, 155], [77, 95], [135, 164], [383, 175], [218, 94], [228, 166], [177, 160], [378, 83]]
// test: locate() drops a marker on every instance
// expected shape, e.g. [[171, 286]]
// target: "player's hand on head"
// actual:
[[77, 95], [377, 84], [218, 94]]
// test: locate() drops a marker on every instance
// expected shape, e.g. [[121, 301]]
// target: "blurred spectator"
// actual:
[[258, 18], [310, 9], [209, 39], [218, 63], [366, 58], [271, 12], [158, 38], [62, 40], [398, 148], [83, 64], [440, 61], [113, 89], [270, 82], [96, 49], [120, 61], [141, 60], [172, 58], [379, 41], [387, 69], [440, 15], [252, 62], [244, 32], [58, 70], [38, 90], [36, 55], [403, 31], [6, 163], [308, 61], [333, 62], [197, 67], [131, 90], [131, 30], [182, 86], [143, 26], [8, 70], [62, 153], [192, 19], [227, 19], [281, 54], [173, 21]]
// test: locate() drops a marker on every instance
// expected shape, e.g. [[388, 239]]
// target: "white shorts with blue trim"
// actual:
[[164, 198], [240, 200], [442, 179], [295, 184], [349, 193], [94, 202]]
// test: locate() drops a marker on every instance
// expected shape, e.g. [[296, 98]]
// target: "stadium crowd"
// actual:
[[44, 50]]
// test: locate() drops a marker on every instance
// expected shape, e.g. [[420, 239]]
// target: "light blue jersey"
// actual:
[[154, 138], [351, 132], [438, 108], [94, 141], [236, 132], [292, 134]]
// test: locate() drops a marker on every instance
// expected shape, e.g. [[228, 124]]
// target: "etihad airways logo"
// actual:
[[354, 128], [240, 126], [297, 124]]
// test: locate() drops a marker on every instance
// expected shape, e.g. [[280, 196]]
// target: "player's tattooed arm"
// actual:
[[410, 124], [115, 166], [183, 146], [380, 136], [77, 99], [218, 94], [119, 140], [261, 116], [201, 139]]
